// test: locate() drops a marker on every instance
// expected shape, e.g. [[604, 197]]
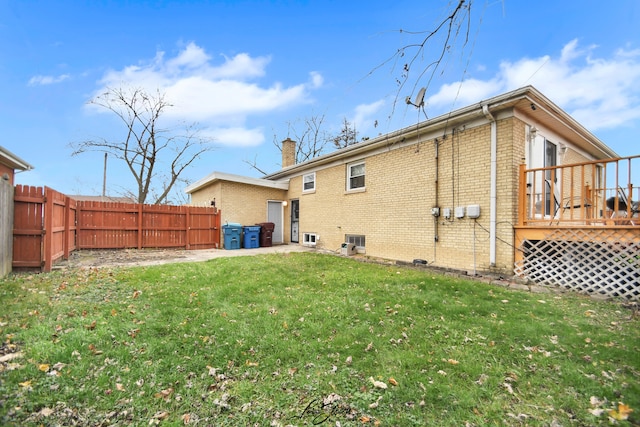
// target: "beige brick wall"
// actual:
[[394, 213], [242, 203]]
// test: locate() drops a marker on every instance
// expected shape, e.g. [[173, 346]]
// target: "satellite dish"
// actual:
[[419, 102], [420, 98]]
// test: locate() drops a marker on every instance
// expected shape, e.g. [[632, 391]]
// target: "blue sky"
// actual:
[[247, 71]]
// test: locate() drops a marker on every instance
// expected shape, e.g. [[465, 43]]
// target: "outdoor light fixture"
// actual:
[[285, 203], [213, 203]]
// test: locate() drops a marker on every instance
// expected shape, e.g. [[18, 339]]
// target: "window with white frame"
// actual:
[[357, 240], [309, 182], [355, 176], [309, 239]]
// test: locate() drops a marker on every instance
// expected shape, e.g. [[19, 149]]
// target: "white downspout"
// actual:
[[493, 186]]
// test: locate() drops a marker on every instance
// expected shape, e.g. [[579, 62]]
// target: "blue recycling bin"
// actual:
[[232, 235], [251, 237]]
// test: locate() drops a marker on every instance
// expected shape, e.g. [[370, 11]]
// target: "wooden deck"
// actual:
[[579, 227]]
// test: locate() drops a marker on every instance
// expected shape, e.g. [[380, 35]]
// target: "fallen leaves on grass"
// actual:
[[94, 350], [376, 403], [158, 416], [378, 384], [622, 413], [164, 394], [615, 413]]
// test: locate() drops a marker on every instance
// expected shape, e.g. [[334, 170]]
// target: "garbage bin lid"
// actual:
[[232, 225], [267, 225]]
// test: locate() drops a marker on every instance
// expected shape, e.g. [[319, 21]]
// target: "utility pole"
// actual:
[[104, 179]]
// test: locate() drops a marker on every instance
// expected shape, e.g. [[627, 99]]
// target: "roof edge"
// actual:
[[222, 176], [14, 161], [503, 100]]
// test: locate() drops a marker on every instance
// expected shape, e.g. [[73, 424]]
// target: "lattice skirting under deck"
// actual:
[[592, 261]]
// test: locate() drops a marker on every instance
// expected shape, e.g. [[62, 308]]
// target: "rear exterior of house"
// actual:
[[444, 191], [247, 201]]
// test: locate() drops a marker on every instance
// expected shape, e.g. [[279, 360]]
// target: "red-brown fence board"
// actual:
[[107, 225], [28, 215], [49, 225], [58, 229]]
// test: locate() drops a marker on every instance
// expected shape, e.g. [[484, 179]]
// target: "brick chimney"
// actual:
[[288, 153]]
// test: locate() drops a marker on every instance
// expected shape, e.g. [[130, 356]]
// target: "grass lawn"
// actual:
[[308, 339]]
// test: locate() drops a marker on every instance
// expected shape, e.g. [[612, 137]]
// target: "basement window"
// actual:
[[357, 240], [309, 239]]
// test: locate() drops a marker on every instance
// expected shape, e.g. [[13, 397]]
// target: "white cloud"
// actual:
[[218, 95], [236, 136], [316, 79], [47, 80], [364, 118], [598, 92]]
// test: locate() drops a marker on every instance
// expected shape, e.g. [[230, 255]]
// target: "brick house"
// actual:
[[446, 190]]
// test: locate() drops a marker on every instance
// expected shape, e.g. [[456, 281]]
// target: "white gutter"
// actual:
[[13, 161], [493, 186]]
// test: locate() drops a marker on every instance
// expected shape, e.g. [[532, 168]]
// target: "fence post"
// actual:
[[67, 227], [47, 231], [187, 227], [140, 210], [522, 194], [217, 230]]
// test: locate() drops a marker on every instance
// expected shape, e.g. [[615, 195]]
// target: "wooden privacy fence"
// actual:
[[49, 225], [110, 225]]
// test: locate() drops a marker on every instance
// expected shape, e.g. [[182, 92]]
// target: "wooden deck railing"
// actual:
[[600, 192]]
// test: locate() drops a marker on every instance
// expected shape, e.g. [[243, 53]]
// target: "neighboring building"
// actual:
[[114, 199], [444, 190], [9, 164]]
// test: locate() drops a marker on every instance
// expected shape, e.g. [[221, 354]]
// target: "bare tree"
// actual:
[[424, 57], [311, 140], [155, 156], [347, 136]]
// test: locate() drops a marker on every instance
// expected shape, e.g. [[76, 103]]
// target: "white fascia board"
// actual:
[[221, 176], [14, 161]]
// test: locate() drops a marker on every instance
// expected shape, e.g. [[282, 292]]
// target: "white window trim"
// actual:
[[309, 239], [359, 249], [358, 189], [309, 190]]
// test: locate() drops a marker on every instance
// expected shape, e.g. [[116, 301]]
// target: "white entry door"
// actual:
[[275, 214]]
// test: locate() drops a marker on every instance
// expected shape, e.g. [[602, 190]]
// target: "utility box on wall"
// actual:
[[473, 211]]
